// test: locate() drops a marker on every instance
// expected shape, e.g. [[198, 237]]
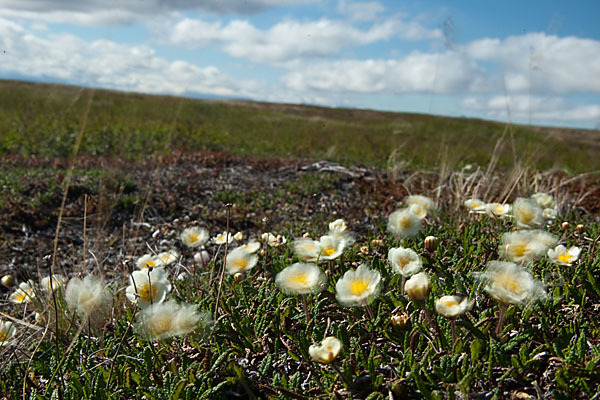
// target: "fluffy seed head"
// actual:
[[511, 284]]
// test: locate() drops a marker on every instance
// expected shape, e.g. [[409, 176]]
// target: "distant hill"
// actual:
[[45, 119]]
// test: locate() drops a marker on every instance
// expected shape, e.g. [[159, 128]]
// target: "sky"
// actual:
[[531, 62]]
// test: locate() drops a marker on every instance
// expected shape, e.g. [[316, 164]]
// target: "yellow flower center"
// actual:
[[402, 262], [405, 223], [509, 283], [20, 297], [150, 264], [499, 209], [3, 336], [328, 252], [449, 303], [475, 205], [300, 278], [146, 293], [240, 263], [358, 286], [564, 257], [520, 250], [526, 216], [193, 238]]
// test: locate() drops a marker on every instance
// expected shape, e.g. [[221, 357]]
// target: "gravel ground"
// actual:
[[139, 204]]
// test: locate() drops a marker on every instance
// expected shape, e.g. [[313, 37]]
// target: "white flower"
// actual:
[[563, 256], [525, 245], [251, 247], [452, 306], [358, 287], [404, 223], [273, 240], [240, 260], [475, 205], [331, 247], [497, 209], [223, 238], [406, 262], [326, 352], [510, 284], [55, 284], [549, 213], [148, 287], [544, 200], [238, 237], [545, 238], [167, 257], [337, 227], [417, 287], [24, 294], [148, 261], [90, 299], [7, 332], [307, 249], [194, 236], [423, 201], [527, 213], [164, 320], [418, 210], [300, 278]]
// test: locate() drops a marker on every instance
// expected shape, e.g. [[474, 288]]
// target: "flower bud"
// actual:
[[8, 281], [202, 257], [400, 320], [564, 226], [364, 250], [431, 243], [239, 276], [417, 287], [580, 228]]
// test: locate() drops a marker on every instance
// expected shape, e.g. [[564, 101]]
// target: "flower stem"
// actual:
[[402, 285], [305, 307], [500, 325], [453, 328], [342, 377], [430, 320]]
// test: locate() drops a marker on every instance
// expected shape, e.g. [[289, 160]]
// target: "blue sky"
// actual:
[[532, 62]]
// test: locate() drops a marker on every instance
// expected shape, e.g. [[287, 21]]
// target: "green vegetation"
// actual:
[[40, 119], [258, 345]]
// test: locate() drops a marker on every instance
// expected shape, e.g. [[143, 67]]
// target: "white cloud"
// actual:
[[361, 11], [108, 64], [415, 73], [101, 12], [543, 63], [524, 108], [289, 39]]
